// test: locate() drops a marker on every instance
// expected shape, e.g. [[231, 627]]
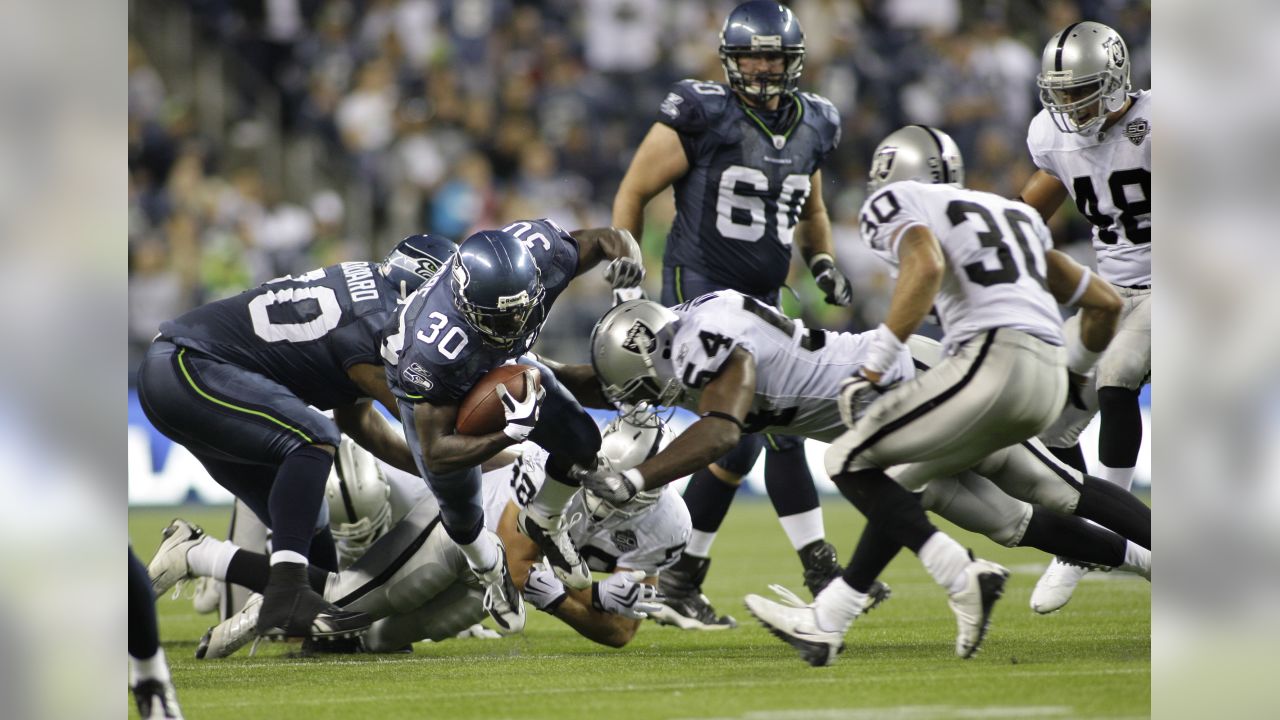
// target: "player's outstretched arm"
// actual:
[[615, 245], [921, 266], [658, 162], [581, 382], [1100, 305], [444, 451], [1043, 192], [364, 424]]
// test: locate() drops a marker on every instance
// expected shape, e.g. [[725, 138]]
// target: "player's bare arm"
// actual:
[[1044, 192], [723, 409], [581, 382], [921, 268], [658, 162], [813, 229], [366, 425], [615, 245], [444, 451], [1100, 305]]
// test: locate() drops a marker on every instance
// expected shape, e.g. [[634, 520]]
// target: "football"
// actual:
[[481, 410]]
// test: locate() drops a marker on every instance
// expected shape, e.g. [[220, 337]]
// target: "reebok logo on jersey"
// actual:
[[418, 375], [671, 106], [625, 540], [1137, 131], [640, 339]]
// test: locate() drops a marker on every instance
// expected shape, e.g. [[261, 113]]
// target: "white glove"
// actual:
[[624, 272], [521, 416], [856, 395], [543, 589], [833, 284], [623, 593], [617, 487], [480, 632]]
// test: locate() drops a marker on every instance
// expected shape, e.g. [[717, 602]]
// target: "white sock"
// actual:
[[209, 558], [1137, 559], [945, 559], [1117, 476], [285, 556], [803, 528], [550, 500], [837, 606], [152, 668], [482, 553], [700, 543]]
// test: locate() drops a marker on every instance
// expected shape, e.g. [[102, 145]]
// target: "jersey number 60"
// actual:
[[745, 199]]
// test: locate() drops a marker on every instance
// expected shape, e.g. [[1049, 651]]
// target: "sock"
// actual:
[[288, 556], [1122, 477], [150, 668], [323, 553], [945, 559], [209, 558], [1115, 509], [882, 501], [708, 499], [837, 606], [482, 553], [252, 570], [700, 544], [1137, 559], [295, 499], [550, 500], [1072, 537], [875, 550], [144, 635], [1072, 456], [803, 528]]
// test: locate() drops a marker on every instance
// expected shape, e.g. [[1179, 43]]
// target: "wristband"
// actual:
[[595, 596], [818, 259], [724, 416], [555, 604], [884, 351], [1080, 359], [637, 480], [1080, 289]]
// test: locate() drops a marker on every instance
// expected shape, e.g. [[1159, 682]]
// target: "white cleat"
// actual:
[[230, 635], [1054, 588], [798, 627], [551, 535], [501, 596], [169, 566], [984, 584]]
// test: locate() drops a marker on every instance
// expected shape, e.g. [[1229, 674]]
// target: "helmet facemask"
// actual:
[[514, 317], [762, 85], [626, 441]]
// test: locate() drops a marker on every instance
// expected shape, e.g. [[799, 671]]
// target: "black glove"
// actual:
[[831, 281]]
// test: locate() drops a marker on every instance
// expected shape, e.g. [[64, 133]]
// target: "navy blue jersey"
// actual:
[[301, 331], [737, 207], [433, 354]]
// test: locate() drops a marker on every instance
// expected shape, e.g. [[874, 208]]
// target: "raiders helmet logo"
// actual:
[[1115, 46], [418, 375], [640, 339], [625, 540], [882, 163], [1137, 131]]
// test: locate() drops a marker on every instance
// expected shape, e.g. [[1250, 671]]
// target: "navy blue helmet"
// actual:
[[762, 27], [497, 287], [415, 259]]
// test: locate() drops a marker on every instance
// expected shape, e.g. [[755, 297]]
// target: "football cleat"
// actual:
[[230, 635], [551, 535], [821, 565], [501, 596], [1053, 589], [169, 565], [685, 606], [207, 595], [797, 625], [156, 700], [291, 609], [984, 584]]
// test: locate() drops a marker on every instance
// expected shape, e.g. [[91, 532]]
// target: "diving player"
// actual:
[[238, 381], [745, 160]]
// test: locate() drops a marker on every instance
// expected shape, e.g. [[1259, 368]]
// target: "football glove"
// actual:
[[543, 589], [615, 486], [624, 272], [856, 395], [624, 593], [521, 416], [833, 284]]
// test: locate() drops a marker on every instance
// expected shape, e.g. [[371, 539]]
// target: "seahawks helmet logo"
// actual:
[[640, 339]]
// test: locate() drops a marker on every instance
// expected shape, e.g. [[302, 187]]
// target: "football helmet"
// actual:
[[756, 27], [414, 260], [630, 351], [497, 287], [359, 501], [916, 152], [1084, 74], [627, 441]]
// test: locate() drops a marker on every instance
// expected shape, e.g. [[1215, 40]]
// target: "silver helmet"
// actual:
[[1084, 74], [916, 152], [359, 501], [625, 442], [630, 352]]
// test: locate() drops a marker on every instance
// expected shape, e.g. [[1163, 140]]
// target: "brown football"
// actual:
[[481, 411]]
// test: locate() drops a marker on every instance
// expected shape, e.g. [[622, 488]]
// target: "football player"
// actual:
[[744, 158], [740, 380], [484, 309], [1092, 141], [238, 383], [418, 585]]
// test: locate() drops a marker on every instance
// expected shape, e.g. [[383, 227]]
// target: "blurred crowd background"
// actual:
[[268, 137]]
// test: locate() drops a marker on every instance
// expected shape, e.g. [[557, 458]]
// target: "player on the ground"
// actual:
[[238, 383], [149, 677], [1092, 141], [744, 159], [417, 584], [484, 309]]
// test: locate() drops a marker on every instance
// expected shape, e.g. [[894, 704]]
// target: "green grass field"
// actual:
[[1093, 659]]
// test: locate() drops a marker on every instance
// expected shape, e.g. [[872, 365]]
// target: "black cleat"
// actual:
[[156, 700], [821, 565], [685, 606], [291, 609]]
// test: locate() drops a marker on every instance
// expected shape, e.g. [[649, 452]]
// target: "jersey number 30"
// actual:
[[745, 201]]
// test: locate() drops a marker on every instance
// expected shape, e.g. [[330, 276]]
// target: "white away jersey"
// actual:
[[798, 369], [651, 540], [994, 250], [1109, 176], [408, 490]]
